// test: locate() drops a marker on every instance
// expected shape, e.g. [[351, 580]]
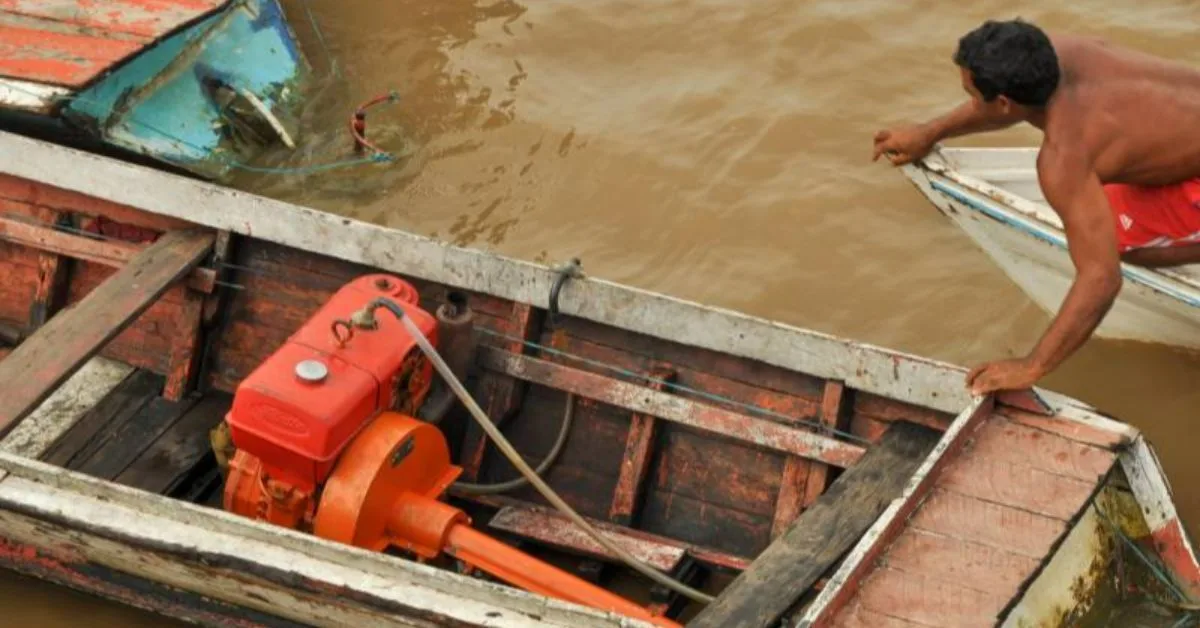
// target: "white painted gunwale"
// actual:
[[114, 525], [888, 373]]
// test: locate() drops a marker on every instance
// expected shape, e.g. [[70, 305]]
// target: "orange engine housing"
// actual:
[[299, 409]]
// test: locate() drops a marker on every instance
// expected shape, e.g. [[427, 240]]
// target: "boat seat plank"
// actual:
[[929, 602], [1072, 430], [143, 20], [47, 358], [823, 533], [160, 467]]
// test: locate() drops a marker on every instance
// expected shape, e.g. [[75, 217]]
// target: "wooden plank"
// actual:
[[504, 393], [541, 526], [701, 553], [636, 460], [793, 563], [792, 498], [1018, 485], [1001, 440], [184, 355], [855, 616], [63, 410], [31, 193], [951, 560], [142, 20], [930, 602], [125, 399], [790, 501], [53, 275], [122, 444], [673, 408], [114, 253], [967, 518], [57, 58], [1077, 431], [843, 586], [161, 466], [43, 361]]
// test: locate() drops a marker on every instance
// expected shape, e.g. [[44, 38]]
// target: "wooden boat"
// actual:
[[192, 85], [993, 195], [780, 473]]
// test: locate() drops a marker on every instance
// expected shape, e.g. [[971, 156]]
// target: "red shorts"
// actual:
[[1156, 216]]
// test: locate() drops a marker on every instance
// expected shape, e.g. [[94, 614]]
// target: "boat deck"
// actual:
[[49, 48], [975, 531]]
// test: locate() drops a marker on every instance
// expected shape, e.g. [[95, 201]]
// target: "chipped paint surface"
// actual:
[[71, 42]]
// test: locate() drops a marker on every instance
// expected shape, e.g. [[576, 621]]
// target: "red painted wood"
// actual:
[[929, 602], [855, 616], [184, 356], [55, 58], [141, 20], [956, 561], [547, 528], [790, 502], [917, 501], [1016, 484], [1002, 440], [970, 519], [1072, 430], [636, 461], [32, 193], [1169, 541]]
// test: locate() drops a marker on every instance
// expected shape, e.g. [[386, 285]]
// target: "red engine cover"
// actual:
[[297, 419]]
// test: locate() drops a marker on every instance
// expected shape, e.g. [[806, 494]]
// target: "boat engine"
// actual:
[[325, 442]]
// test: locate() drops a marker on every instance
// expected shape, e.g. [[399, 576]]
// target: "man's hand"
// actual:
[[905, 144], [1004, 375]]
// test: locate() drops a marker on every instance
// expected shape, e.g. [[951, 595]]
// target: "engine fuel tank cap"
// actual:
[[311, 371]]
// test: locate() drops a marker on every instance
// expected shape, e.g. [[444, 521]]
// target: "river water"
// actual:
[[714, 150]]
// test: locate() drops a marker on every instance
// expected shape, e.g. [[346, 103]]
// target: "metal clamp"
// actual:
[[572, 269]]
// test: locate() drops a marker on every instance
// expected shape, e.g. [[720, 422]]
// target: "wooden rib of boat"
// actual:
[[195, 85], [993, 195], [793, 475]]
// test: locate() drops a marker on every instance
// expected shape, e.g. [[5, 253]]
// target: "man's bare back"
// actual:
[[1136, 116], [1118, 124]]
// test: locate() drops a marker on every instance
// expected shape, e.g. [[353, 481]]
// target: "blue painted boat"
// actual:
[[200, 85]]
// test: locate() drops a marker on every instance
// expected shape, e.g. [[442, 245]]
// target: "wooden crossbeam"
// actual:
[[114, 253], [793, 563], [762, 432], [48, 357], [635, 462]]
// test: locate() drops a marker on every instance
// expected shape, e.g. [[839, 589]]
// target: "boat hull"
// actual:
[[169, 102], [1152, 307]]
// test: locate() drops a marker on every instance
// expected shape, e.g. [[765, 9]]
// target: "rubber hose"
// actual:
[[504, 487], [509, 452]]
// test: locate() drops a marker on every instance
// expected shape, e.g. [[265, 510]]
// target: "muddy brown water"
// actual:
[[714, 150]]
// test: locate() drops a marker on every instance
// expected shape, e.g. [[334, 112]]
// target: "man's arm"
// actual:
[[909, 143], [1074, 191], [967, 118], [1072, 188]]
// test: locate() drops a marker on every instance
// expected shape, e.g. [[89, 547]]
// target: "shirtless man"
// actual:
[[1119, 163]]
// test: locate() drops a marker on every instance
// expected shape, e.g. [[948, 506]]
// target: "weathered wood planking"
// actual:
[[70, 42], [793, 563], [644, 400], [62, 345]]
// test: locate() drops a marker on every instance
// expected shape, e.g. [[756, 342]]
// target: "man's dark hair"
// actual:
[[1013, 58]]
